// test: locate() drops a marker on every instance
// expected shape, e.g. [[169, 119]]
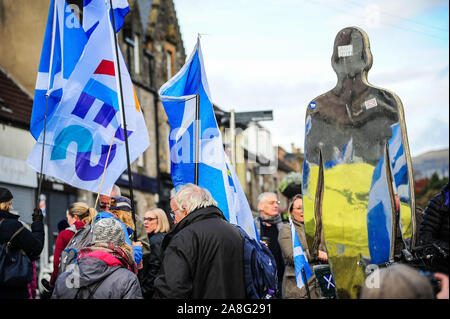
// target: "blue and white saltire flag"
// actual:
[[93, 11], [178, 96], [300, 260], [379, 215], [89, 120], [64, 41], [240, 212]]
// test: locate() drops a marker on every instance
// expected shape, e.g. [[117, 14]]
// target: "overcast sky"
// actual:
[[275, 54]]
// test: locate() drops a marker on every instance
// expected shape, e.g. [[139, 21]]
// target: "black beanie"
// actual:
[[5, 195]]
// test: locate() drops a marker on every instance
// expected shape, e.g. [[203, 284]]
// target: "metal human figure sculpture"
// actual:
[[357, 160]]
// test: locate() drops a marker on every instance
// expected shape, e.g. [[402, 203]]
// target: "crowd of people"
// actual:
[[113, 254]]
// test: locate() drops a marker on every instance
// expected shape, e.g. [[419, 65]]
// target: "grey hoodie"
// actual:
[[114, 282]]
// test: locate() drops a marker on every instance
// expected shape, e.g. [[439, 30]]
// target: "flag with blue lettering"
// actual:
[[300, 260], [86, 133], [179, 98]]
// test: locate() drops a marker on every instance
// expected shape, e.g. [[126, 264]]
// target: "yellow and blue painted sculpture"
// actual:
[[357, 161]]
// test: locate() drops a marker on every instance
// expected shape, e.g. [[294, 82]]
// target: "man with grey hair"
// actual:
[[203, 253], [105, 200], [269, 224]]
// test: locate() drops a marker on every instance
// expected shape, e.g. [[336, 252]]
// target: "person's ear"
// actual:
[[184, 209]]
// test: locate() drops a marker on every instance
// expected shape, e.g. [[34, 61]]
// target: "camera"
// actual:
[[435, 283]]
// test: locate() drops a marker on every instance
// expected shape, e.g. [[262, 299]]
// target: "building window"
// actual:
[[140, 160], [137, 69], [169, 65], [170, 59], [151, 60], [130, 45]]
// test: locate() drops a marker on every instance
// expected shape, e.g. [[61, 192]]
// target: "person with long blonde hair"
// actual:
[[78, 215], [156, 225]]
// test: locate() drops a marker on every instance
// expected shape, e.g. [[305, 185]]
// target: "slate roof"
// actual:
[[15, 103]]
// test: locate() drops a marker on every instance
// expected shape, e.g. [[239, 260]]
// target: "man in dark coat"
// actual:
[[435, 225], [30, 242], [203, 253]]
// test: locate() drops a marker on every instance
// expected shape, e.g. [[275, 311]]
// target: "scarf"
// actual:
[[271, 220], [125, 258]]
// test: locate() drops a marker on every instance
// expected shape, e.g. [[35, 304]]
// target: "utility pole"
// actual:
[[233, 138]]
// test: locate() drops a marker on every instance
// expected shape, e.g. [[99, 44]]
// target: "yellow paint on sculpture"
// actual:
[[344, 220]]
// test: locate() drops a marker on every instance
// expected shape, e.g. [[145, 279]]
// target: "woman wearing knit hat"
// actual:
[[104, 270], [31, 242]]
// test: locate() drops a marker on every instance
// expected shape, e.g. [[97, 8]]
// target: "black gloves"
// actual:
[[37, 215]]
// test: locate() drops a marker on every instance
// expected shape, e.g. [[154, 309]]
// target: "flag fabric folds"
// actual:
[[64, 41], [178, 96], [93, 11], [86, 130], [300, 260]]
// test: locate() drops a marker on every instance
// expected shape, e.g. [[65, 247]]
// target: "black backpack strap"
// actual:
[[96, 285], [8, 244]]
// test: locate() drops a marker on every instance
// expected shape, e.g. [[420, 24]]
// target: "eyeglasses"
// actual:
[[172, 213], [272, 202], [149, 219]]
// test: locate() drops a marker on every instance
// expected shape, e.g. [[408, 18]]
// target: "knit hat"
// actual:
[[109, 230], [5, 195], [120, 203]]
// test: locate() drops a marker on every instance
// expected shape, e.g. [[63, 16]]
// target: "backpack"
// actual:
[[82, 238], [260, 269], [16, 269]]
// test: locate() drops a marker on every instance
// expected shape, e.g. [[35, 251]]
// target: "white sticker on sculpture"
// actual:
[[345, 50], [370, 103]]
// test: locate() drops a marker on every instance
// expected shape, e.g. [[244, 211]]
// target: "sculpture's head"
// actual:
[[351, 53]]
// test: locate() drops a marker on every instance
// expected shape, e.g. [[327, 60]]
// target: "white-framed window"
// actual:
[[169, 64], [136, 54]]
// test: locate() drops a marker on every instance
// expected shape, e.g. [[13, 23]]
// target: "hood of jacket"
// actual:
[[8, 215], [95, 267], [191, 218]]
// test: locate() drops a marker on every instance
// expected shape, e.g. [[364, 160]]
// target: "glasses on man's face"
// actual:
[[273, 202], [149, 219], [172, 213]]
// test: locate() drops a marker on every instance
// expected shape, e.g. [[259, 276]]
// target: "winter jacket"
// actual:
[[273, 234], [61, 242], [98, 273], [435, 225], [153, 263], [31, 242], [290, 289], [203, 258]]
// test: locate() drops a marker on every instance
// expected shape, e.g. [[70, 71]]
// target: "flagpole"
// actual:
[[104, 171], [130, 184], [46, 104], [197, 119]]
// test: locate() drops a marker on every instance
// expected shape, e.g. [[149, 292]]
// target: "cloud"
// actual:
[[275, 54], [432, 136]]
